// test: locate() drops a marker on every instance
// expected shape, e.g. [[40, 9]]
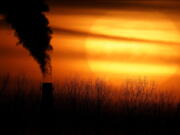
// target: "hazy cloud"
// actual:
[[119, 38], [120, 4]]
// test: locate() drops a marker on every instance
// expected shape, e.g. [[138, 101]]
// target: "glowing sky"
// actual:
[[135, 40], [137, 46]]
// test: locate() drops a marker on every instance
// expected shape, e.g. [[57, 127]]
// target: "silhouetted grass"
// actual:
[[88, 107]]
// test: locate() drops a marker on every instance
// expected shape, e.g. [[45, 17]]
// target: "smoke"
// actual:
[[31, 27]]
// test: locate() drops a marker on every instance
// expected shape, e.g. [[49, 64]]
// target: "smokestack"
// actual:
[[47, 96], [31, 26], [27, 18], [47, 114]]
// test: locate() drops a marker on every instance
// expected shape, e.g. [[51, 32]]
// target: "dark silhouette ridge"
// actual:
[[31, 27]]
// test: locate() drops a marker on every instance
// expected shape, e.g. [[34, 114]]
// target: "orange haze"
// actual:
[[108, 44]]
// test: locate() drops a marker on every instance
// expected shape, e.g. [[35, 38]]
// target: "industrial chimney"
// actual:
[[47, 96], [47, 108]]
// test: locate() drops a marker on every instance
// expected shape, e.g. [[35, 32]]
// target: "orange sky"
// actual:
[[106, 43]]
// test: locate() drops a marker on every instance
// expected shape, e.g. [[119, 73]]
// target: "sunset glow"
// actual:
[[116, 43], [134, 47]]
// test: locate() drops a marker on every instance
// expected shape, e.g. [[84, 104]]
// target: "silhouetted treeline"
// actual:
[[88, 107]]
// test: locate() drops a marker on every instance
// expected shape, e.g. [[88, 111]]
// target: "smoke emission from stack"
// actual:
[[31, 27]]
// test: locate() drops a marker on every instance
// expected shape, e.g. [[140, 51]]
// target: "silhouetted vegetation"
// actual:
[[88, 107]]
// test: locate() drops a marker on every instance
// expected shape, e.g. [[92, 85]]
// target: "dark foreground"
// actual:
[[87, 108]]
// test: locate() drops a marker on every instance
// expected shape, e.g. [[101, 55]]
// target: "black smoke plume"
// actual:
[[31, 27]]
